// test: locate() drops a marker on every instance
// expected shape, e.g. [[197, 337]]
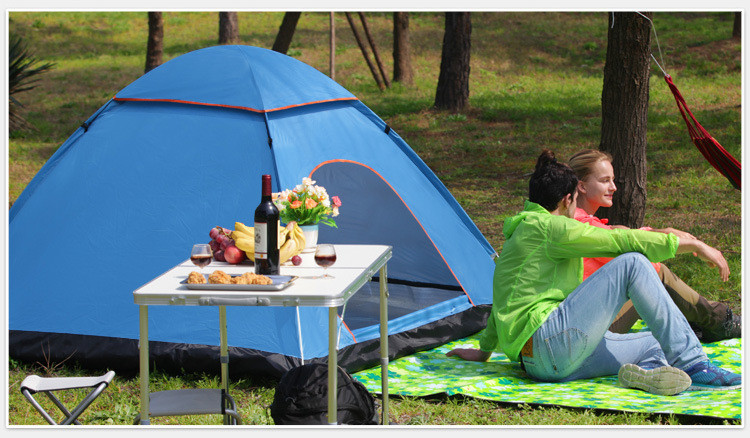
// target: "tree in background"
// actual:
[[22, 74], [402, 69], [229, 29], [286, 32], [453, 83], [155, 44], [737, 28], [624, 113]]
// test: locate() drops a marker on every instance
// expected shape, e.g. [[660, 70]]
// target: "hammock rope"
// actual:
[[708, 146]]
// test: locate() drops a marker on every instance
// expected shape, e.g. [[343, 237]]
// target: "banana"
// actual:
[[246, 244], [283, 234], [287, 250], [242, 228], [299, 236]]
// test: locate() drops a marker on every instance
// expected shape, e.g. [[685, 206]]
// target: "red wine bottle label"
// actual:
[[261, 240]]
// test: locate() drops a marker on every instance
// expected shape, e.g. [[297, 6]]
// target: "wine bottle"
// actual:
[[266, 232]]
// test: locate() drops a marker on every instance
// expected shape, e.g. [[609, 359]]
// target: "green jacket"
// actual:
[[540, 264]]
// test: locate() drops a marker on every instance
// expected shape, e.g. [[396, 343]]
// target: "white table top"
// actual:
[[355, 265]]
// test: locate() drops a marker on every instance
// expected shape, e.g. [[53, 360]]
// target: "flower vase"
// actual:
[[311, 237]]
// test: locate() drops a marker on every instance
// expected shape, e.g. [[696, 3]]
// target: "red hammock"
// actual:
[[709, 147]]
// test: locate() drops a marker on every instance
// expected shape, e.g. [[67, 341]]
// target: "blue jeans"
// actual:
[[573, 343]]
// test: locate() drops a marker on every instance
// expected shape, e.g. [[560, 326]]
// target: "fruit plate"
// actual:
[[279, 282]]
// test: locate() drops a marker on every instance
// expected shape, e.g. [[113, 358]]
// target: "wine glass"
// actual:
[[325, 256], [201, 255]]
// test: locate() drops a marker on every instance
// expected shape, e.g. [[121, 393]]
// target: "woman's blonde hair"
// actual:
[[583, 162]]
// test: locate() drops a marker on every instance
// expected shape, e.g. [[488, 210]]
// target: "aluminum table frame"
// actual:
[[356, 265]]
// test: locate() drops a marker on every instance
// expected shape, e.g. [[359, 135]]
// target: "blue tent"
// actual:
[[181, 150]]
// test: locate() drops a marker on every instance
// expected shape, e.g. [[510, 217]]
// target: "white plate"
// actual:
[[279, 282]]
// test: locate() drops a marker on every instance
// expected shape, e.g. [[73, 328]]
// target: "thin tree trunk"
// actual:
[[286, 32], [374, 48], [229, 29], [624, 113], [155, 44], [362, 48], [453, 83], [402, 69], [332, 58], [737, 27]]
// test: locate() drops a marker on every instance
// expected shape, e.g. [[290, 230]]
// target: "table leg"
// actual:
[[143, 353], [384, 340], [332, 366], [224, 354]]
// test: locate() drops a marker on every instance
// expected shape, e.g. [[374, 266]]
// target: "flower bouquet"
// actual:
[[307, 204]]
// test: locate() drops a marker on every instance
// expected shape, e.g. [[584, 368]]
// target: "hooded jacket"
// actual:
[[541, 264]]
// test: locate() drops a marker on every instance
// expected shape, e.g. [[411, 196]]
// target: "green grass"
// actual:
[[536, 82]]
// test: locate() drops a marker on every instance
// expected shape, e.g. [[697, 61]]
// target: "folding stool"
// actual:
[[34, 384]]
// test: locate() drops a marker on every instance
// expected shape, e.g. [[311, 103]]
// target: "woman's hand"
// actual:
[[711, 255], [676, 232], [472, 354]]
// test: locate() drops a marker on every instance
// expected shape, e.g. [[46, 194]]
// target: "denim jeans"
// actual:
[[574, 343]]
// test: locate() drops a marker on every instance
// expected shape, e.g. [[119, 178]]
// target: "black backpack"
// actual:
[[302, 398]]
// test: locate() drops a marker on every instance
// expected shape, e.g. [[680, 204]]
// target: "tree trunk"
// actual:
[[229, 29], [332, 47], [286, 32], [624, 113], [374, 48], [155, 44], [402, 69], [453, 83], [737, 28], [363, 49]]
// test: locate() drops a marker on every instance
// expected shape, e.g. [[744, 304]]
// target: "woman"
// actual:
[[712, 320], [556, 327]]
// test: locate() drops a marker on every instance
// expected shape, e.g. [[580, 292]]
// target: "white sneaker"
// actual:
[[664, 380]]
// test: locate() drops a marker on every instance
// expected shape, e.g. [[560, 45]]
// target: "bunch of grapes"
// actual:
[[223, 246]]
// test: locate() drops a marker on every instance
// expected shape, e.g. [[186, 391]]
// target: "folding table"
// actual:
[[354, 267]]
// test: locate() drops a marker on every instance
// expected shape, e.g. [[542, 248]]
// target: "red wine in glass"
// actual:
[[201, 261], [201, 255], [325, 260], [325, 256]]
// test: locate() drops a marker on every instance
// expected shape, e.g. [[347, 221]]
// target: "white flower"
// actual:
[[307, 181]]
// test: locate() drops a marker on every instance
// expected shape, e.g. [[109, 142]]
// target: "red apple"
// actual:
[[234, 255]]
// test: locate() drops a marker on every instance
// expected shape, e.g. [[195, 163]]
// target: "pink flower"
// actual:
[[295, 204], [336, 201], [310, 203]]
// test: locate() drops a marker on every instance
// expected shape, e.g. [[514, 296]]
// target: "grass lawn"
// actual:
[[536, 81]]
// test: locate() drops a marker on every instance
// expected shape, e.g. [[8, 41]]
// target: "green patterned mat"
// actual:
[[432, 372]]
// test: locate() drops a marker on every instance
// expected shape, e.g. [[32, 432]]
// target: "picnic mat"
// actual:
[[432, 372]]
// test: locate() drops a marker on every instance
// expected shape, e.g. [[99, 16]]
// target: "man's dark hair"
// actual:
[[551, 181]]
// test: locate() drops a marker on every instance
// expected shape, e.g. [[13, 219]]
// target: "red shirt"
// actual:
[[590, 265]]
